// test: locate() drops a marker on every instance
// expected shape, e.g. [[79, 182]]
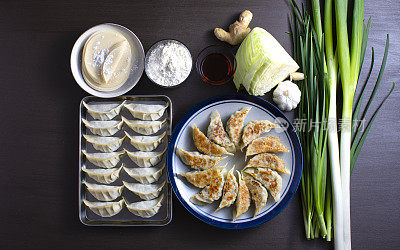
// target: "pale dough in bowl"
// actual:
[[106, 60]]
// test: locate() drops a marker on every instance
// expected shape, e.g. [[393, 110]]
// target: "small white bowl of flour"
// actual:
[[168, 63]]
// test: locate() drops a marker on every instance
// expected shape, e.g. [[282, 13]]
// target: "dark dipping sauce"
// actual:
[[216, 68]]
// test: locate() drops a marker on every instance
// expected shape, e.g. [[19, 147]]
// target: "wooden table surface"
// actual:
[[39, 129]]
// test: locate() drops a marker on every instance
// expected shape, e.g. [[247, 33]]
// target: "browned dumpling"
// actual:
[[203, 178], [267, 160], [242, 203], [265, 144], [217, 134], [259, 194], [230, 190], [269, 178], [206, 146], [255, 129], [198, 161], [212, 192], [235, 124]]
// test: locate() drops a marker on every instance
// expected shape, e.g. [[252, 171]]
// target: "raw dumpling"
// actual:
[[212, 192], [104, 160], [147, 112], [145, 191], [255, 129], [269, 178], [104, 192], [102, 111], [198, 161], [146, 159], [206, 146], [144, 127], [235, 124], [217, 134], [265, 144], [145, 175], [104, 144], [242, 203], [146, 143], [203, 178], [267, 160], [230, 190], [103, 128], [258, 193], [145, 209], [105, 209], [105, 176]]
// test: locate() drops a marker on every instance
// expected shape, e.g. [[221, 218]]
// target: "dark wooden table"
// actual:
[[39, 130]]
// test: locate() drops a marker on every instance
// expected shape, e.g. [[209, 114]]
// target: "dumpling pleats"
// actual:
[[203, 178], [104, 144], [105, 209], [210, 193], [145, 175], [235, 125], [269, 179], [145, 191], [148, 112], [103, 111], [217, 134], [242, 203], [105, 176], [146, 159], [255, 129], [267, 160], [145, 209], [265, 144], [104, 160], [204, 145], [198, 161], [144, 127], [259, 194], [230, 190], [146, 143], [104, 192], [103, 128]]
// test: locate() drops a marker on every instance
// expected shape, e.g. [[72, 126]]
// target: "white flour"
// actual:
[[169, 64]]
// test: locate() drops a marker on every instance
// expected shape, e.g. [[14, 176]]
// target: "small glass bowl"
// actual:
[[216, 49], [146, 60]]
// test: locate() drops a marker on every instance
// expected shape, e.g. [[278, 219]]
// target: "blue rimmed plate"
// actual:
[[226, 105]]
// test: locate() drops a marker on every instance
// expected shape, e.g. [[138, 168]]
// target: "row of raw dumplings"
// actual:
[[258, 176], [145, 112], [146, 174], [110, 193]]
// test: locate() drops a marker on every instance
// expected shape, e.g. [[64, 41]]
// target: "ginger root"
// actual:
[[237, 31]]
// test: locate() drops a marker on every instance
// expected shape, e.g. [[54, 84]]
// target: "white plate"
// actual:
[[137, 55], [226, 105]]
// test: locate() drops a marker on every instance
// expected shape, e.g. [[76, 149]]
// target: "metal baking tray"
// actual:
[[123, 218]]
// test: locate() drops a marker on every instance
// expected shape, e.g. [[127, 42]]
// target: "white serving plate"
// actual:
[[226, 105]]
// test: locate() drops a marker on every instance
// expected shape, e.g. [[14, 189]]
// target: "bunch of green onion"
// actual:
[[326, 55]]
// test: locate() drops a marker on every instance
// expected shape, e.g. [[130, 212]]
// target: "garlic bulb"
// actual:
[[287, 95]]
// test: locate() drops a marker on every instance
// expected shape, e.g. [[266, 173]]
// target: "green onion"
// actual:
[[356, 143], [310, 55], [349, 65], [325, 192], [333, 142]]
